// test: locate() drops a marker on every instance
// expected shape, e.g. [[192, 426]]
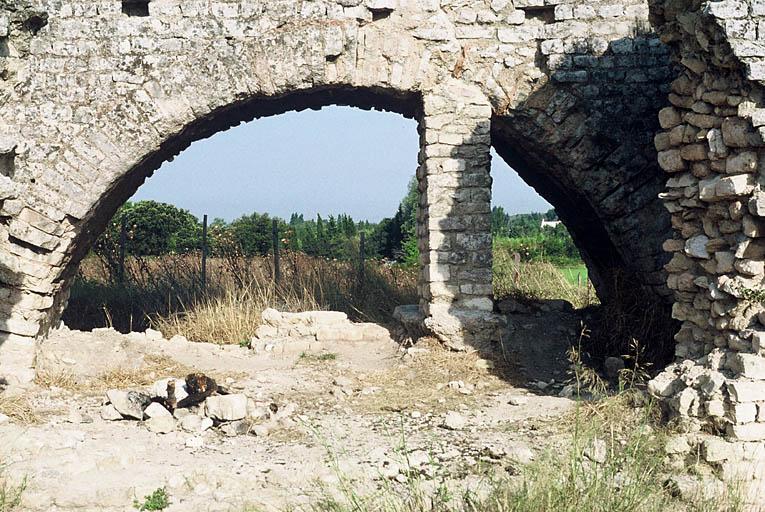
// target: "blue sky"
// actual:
[[337, 160]]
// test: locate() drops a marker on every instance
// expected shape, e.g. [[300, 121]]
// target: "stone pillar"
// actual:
[[454, 222]]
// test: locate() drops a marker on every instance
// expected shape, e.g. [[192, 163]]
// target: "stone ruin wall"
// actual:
[[92, 101], [711, 146], [571, 93]]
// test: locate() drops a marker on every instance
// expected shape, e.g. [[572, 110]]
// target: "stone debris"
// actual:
[[194, 423], [129, 404], [226, 408], [454, 421], [162, 424], [234, 414], [596, 451], [155, 410], [109, 413], [314, 325]]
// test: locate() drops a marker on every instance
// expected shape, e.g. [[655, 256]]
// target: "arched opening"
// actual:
[[319, 238], [609, 205]]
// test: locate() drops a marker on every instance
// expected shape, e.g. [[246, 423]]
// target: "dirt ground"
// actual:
[[365, 413]]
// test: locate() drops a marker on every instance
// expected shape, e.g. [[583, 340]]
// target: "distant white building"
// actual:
[[550, 223]]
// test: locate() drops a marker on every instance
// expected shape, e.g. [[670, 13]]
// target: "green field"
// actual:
[[572, 272]]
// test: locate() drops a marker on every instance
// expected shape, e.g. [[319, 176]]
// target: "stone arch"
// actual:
[[95, 98]]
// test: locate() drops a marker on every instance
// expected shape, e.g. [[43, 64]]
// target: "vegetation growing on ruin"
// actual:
[[612, 460]]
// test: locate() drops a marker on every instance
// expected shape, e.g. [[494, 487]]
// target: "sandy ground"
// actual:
[[364, 413]]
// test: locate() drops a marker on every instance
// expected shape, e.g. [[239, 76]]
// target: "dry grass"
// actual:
[[20, 409], [424, 380], [154, 367], [60, 379], [530, 281], [629, 476], [165, 293]]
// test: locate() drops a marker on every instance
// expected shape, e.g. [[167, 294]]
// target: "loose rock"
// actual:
[[130, 404], [226, 408]]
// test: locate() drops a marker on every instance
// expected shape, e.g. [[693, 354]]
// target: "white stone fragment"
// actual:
[[155, 410], [226, 407]]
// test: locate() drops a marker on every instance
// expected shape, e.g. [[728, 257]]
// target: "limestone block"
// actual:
[[753, 227], [751, 366], [718, 450], [757, 203], [374, 332], [381, 5], [750, 267], [725, 261], [747, 432], [746, 391], [708, 188], [743, 162], [671, 160], [715, 408], [728, 9], [327, 317], [736, 132], [266, 331], [732, 186], [664, 385], [717, 147], [563, 12], [743, 413], [226, 407], [271, 317], [695, 152]]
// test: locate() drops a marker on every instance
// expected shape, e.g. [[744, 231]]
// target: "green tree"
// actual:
[[252, 234], [153, 229]]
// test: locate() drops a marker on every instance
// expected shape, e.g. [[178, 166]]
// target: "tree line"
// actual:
[[155, 229]]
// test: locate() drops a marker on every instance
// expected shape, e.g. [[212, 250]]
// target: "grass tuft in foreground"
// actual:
[[613, 461], [10, 492], [157, 500]]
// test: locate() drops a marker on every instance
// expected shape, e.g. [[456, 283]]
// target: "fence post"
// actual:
[[123, 242], [277, 268], [204, 252], [362, 277]]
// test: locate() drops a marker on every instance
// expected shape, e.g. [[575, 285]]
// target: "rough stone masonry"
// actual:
[[590, 101]]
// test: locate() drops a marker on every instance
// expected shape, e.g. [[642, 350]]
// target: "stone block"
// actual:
[[746, 391], [715, 449], [669, 117], [751, 366], [732, 186], [696, 247], [743, 413], [747, 432], [736, 132], [226, 407], [743, 162], [671, 160]]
